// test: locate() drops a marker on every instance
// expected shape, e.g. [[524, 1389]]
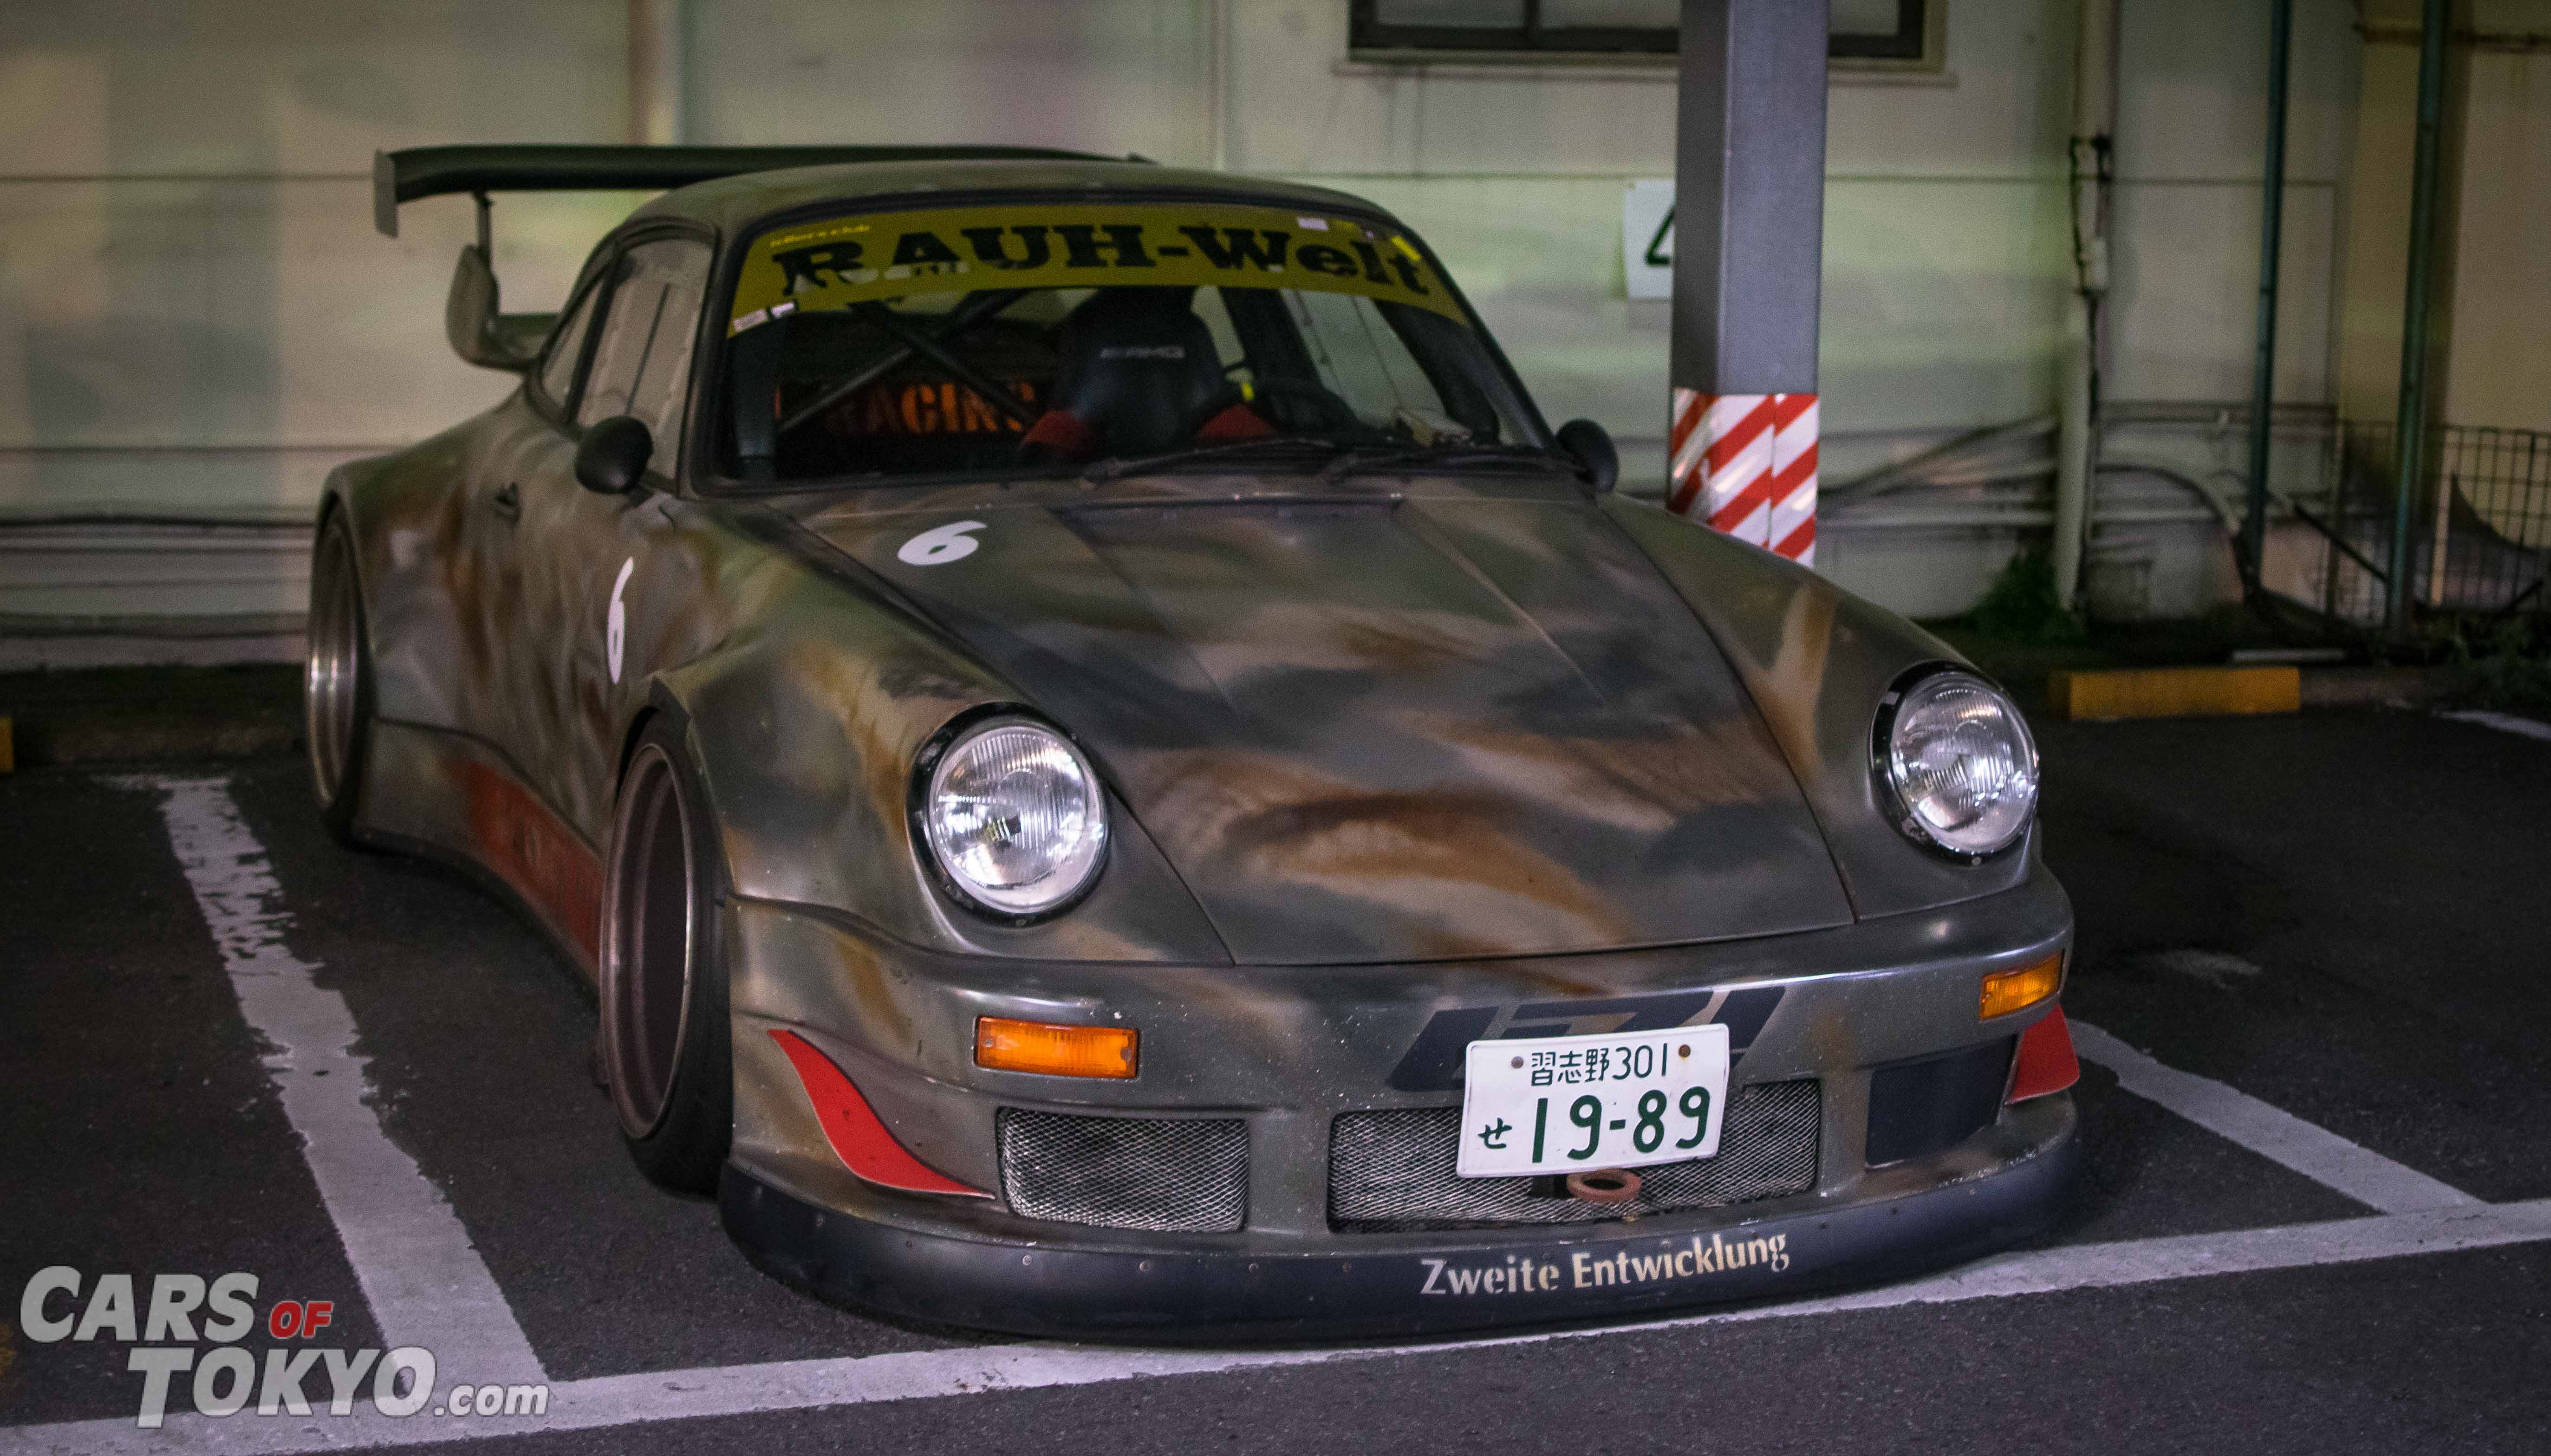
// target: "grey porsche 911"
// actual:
[[1112, 776]]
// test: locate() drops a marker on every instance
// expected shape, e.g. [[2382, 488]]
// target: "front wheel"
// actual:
[[664, 1045]]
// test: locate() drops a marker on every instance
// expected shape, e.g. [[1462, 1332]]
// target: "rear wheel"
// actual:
[[665, 1031], [336, 678]]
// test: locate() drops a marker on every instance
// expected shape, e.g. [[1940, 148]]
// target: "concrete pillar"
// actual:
[[1749, 248], [659, 43]]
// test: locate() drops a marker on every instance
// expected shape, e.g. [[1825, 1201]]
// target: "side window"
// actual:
[[642, 362], [567, 349]]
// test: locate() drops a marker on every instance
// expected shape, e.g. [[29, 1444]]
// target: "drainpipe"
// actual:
[[656, 43], [2409, 429], [2263, 372], [2095, 120]]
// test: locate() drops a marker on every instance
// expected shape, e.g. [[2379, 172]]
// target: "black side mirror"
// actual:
[[613, 457], [1592, 447]]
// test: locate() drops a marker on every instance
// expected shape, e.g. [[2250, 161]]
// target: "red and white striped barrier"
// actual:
[[1747, 464]]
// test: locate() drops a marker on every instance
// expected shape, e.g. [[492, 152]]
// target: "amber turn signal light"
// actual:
[[1055, 1051], [2007, 991]]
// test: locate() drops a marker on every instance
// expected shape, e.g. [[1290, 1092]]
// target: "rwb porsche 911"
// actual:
[[1112, 774]]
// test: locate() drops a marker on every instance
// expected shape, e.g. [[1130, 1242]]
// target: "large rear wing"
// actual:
[[436, 172], [472, 315]]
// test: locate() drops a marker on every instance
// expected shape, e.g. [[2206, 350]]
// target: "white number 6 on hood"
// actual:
[[940, 545]]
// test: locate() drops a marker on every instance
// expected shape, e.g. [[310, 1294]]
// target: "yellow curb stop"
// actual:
[[2175, 693]]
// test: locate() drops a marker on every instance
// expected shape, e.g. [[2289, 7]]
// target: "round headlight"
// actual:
[[1015, 816], [1961, 764]]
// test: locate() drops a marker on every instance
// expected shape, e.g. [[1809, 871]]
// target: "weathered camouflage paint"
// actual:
[[1376, 750]]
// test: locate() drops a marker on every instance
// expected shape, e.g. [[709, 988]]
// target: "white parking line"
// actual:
[[2314, 1152], [2504, 722], [428, 1286], [423, 1280], [613, 1402]]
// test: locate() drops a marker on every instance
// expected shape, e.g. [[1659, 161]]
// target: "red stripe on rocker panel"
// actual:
[[533, 850], [859, 1138], [2045, 1063]]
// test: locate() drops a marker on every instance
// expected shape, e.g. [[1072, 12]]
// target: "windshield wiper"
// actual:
[[1105, 471], [1451, 451]]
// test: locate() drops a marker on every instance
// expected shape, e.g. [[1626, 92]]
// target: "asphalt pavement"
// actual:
[[2339, 914]]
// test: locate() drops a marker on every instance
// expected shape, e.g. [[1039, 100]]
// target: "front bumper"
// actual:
[[1290, 1052], [1414, 1286]]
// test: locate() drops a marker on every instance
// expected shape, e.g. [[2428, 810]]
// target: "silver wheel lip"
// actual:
[[332, 663], [647, 768]]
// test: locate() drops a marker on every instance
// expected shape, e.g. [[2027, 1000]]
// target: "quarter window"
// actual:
[[566, 350], [642, 362]]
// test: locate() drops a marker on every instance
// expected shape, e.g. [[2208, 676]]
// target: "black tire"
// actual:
[[336, 678], [664, 1047]]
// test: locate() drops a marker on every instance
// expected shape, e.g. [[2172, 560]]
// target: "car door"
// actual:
[[508, 576], [592, 549]]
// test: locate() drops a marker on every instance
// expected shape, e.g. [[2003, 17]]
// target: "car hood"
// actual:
[[1396, 727]]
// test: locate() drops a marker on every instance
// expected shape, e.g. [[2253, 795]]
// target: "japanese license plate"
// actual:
[[1560, 1103]]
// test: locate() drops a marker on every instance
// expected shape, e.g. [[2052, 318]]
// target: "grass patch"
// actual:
[[2506, 669], [2021, 606]]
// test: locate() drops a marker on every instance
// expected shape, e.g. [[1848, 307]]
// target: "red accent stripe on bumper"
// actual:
[[859, 1138], [2045, 1063]]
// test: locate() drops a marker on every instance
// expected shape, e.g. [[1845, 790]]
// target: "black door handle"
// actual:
[[507, 501]]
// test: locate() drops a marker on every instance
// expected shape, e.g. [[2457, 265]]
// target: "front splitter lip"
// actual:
[[1182, 1296]]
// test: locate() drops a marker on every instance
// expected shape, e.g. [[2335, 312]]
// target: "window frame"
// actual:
[[589, 287], [601, 279], [1918, 43], [672, 450]]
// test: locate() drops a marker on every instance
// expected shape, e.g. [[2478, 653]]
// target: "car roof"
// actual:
[[733, 205]]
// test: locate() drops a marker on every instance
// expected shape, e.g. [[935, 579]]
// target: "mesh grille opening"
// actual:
[[1166, 1175], [1394, 1171]]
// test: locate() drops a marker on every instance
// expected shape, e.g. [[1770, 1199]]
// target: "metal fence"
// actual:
[[2480, 524]]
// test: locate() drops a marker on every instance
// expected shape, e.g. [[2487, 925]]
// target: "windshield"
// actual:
[[1051, 336]]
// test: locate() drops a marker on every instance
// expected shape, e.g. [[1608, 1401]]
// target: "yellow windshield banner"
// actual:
[[881, 255]]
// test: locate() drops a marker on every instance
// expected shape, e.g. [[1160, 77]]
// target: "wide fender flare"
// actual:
[[405, 510], [341, 497], [806, 753]]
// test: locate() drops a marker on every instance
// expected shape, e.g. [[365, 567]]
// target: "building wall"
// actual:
[[1944, 211], [2179, 361], [2377, 253], [196, 315], [2497, 366], [194, 310], [2492, 268]]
